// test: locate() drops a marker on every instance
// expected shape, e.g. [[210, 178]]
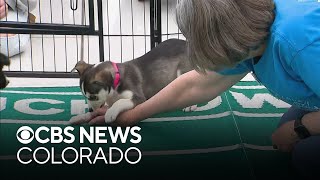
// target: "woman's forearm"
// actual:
[[189, 89], [312, 122]]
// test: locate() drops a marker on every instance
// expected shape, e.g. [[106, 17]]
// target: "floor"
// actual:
[[126, 30]]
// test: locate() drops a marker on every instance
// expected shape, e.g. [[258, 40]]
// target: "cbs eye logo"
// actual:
[[25, 135]]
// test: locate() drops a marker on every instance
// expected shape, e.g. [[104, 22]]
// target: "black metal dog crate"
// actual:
[[113, 30]]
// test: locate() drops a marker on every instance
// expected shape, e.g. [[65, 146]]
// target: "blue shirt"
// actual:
[[290, 66]]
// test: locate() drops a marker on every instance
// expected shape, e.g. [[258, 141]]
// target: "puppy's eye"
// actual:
[[98, 83], [93, 98]]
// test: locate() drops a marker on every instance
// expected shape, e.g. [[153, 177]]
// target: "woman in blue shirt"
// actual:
[[277, 40]]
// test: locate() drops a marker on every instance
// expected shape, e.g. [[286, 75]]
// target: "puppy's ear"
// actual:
[[81, 66], [4, 60]]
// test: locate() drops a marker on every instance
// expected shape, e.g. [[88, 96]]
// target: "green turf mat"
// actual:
[[228, 137]]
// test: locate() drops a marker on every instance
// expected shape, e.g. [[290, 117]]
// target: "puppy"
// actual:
[[123, 86], [4, 61]]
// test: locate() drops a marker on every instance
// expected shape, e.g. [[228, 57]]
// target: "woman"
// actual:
[[15, 10], [278, 40]]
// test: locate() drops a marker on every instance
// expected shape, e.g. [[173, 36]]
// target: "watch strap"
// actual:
[[300, 129]]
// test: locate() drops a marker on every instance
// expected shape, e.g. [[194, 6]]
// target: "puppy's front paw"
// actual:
[[190, 108], [111, 115], [80, 119], [118, 107]]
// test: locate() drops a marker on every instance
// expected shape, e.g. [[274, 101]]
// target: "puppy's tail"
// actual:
[[4, 60]]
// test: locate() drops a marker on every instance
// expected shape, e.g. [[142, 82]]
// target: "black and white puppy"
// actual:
[[123, 86], [4, 61]]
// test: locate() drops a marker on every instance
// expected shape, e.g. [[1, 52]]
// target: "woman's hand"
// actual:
[[3, 9], [285, 137], [124, 119]]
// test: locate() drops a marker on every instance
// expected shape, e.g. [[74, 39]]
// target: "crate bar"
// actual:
[[78, 31], [20, 25], [159, 20], [155, 22], [100, 31], [91, 15], [35, 74]]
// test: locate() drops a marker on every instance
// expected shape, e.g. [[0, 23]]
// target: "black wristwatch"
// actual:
[[300, 129]]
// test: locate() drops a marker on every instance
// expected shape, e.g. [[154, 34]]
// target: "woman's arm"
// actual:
[[24, 5], [189, 89], [285, 137]]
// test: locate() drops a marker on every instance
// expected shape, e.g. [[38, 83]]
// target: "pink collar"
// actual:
[[116, 80]]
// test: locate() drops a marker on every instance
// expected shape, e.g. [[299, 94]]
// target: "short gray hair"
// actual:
[[220, 33]]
